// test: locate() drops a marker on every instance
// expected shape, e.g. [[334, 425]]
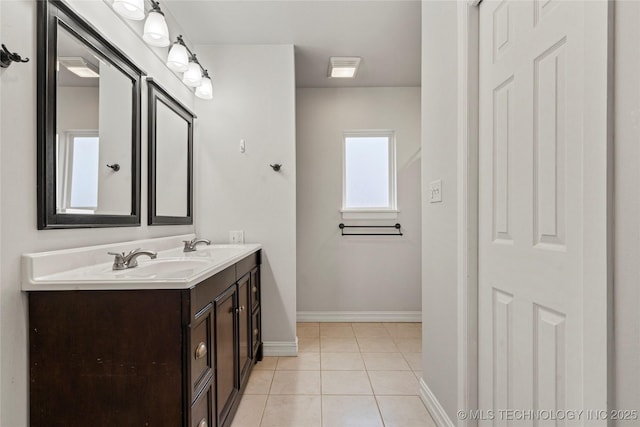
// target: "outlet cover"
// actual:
[[435, 191], [236, 237]]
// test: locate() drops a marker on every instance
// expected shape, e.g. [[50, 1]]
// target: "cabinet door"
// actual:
[[244, 312], [227, 381]]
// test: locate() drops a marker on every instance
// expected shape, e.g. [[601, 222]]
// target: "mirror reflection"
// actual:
[[93, 132], [172, 168]]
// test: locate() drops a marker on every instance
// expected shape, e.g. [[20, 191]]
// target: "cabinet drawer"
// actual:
[[201, 351], [255, 289], [255, 332], [202, 409], [247, 264]]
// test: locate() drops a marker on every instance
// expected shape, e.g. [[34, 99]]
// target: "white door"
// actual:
[[543, 210]]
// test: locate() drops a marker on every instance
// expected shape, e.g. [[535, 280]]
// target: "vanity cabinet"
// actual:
[[159, 357]]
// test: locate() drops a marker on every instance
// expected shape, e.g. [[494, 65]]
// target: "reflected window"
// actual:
[[79, 156]]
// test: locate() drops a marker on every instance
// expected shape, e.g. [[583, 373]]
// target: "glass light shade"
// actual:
[[156, 32], [130, 9], [193, 76], [178, 59], [205, 90]]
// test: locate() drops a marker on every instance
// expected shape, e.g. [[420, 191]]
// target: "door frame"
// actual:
[[467, 198], [467, 215]]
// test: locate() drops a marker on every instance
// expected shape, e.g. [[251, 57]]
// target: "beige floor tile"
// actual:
[[308, 344], [394, 383], [259, 382], [377, 345], [308, 330], [250, 411], [268, 362], [370, 330], [404, 330], [338, 345], [350, 411], [292, 411], [341, 362], [404, 411], [301, 362], [385, 362], [345, 382], [414, 360], [409, 345], [336, 330], [296, 382]]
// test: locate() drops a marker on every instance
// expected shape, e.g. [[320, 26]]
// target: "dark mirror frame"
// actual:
[[157, 94], [53, 14]]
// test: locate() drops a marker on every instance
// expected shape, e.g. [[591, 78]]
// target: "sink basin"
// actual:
[[168, 268]]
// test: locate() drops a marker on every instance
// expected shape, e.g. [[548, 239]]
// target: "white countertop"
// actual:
[[89, 268]]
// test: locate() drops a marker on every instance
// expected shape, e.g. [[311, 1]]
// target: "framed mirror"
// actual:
[[89, 95], [170, 158]]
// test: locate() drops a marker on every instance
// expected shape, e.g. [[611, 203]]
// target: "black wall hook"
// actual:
[[276, 167], [7, 57], [115, 167]]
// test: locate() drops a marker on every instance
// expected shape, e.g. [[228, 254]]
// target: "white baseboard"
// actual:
[[280, 348], [359, 316], [434, 407]]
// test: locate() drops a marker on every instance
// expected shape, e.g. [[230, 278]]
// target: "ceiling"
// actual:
[[385, 33]]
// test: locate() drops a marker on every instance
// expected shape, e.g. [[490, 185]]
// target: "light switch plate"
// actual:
[[236, 237], [435, 191]]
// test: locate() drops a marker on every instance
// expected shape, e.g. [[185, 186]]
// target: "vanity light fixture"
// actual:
[[205, 90], [193, 76], [178, 59], [130, 9], [343, 67], [79, 66], [156, 32]]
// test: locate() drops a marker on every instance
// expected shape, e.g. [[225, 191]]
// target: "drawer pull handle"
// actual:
[[256, 332], [201, 351], [203, 423]]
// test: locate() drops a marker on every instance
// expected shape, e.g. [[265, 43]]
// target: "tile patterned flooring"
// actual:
[[345, 375]]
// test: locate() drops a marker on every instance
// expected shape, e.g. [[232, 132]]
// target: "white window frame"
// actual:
[[65, 144], [389, 212]]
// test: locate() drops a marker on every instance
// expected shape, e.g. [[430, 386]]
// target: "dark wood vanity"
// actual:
[[167, 357]]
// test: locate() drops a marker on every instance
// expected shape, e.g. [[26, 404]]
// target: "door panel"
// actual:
[[226, 352], [244, 322], [533, 337]]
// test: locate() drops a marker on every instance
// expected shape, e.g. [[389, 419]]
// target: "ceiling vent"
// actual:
[[343, 67]]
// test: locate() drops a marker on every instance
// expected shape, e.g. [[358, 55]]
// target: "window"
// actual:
[[79, 188], [369, 179]]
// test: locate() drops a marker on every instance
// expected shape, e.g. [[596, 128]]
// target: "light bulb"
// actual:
[[156, 32], [130, 9], [205, 90], [193, 76]]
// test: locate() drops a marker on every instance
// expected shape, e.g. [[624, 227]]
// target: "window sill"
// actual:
[[369, 214]]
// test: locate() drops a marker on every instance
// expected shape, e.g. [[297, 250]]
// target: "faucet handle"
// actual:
[[118, 261]]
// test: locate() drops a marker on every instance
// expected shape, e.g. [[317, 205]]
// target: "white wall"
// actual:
[[254, 99], [78, 108], [627, 207], [439, 220], [338, 273], [18, 183]]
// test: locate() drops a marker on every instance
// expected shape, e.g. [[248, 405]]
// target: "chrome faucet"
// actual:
[[190, 245], [122, 261]]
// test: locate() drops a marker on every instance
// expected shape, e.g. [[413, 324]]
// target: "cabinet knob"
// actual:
[[254, 289], [256, 332], [240, 309], [201, 351], [203, 423]]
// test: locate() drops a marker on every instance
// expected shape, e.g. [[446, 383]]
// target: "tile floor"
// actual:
[[345, 375]]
